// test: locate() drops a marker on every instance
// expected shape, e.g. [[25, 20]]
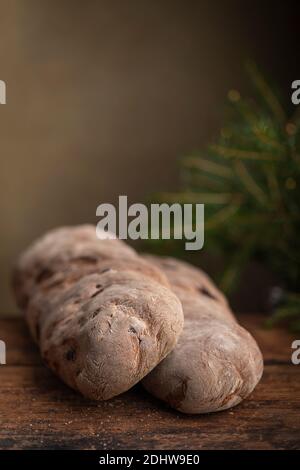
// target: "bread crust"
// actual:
[[216, 363], [102, 317]]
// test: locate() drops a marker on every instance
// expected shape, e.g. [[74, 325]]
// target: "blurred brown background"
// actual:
[[102, 96]]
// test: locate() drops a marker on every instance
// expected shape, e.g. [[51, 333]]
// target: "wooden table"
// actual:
[[38, 411]]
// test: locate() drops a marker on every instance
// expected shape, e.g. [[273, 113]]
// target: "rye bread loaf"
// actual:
[[216, 363], [102, 317]]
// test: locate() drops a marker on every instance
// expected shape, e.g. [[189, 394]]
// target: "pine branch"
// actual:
[[249, 180]]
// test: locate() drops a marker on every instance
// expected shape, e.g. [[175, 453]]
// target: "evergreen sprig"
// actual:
[[249, 180]]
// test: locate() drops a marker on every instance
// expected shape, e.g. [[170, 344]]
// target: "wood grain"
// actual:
[[37, 411]]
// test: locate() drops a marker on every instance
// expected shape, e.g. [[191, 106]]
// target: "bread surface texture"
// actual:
[[216, 363], [102, 316]]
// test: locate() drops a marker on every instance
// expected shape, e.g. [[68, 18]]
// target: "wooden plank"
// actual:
[[38, 411], [20, 349]]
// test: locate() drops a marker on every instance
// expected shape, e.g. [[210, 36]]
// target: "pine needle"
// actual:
[[208, 166], [266, 91], [250, 183], [228, 152], [221, 216]]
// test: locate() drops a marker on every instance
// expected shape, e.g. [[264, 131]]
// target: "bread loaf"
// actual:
[[102, 317], [216, 363]]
